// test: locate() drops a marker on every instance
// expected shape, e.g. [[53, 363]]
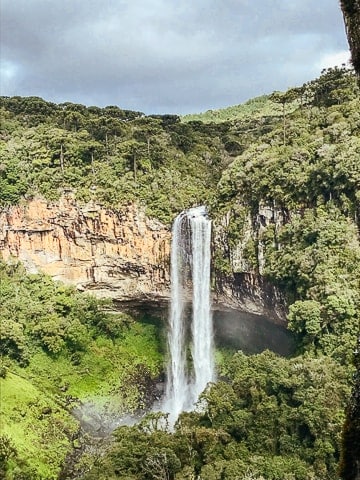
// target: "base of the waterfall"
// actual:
[[100, 415], [99, 421], [173, 407], [172, 412]]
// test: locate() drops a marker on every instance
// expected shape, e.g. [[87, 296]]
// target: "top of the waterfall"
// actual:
[[200, 211]]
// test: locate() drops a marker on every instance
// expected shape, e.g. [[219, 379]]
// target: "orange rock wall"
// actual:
[[123, 255]]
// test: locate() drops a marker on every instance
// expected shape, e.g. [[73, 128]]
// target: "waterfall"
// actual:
[[176, 388], [202, 332], [190, 264]]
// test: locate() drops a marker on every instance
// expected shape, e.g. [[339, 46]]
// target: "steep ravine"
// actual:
[[125, 256]]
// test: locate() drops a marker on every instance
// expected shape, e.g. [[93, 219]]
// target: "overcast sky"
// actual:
[[166, 56]]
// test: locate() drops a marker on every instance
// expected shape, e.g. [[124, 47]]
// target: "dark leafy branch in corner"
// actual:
[[351, 13]]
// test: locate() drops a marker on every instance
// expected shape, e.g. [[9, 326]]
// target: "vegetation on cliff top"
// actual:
[[294, 153], [116, 156]]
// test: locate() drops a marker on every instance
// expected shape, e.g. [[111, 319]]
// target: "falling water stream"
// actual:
[[190, 267]]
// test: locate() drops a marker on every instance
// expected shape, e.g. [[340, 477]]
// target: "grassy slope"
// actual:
[[33, 398], [255, 108], [40, 429]]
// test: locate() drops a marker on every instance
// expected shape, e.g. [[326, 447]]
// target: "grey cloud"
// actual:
[[164, 55]]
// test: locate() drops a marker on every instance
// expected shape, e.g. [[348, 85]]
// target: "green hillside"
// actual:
[[254, 108]]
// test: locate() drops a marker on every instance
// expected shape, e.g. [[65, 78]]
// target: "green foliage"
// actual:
[[58, 345], [310, 159], [133, 456], [7, 449], [350, 453], [318, 265], [305, 317], [293, 147], [49, 429], [273, 418], [300, 183], [335, 85], [109, 155], [55, 316], [257, 107]]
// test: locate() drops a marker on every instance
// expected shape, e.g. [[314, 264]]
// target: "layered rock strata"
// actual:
[[116, 254], [244, 287]]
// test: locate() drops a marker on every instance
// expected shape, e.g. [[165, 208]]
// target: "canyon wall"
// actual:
[[126, 256], [241, 284], [122, 255]]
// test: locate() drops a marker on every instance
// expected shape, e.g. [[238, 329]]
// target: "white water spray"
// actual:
[[190, 256], [202, 331]]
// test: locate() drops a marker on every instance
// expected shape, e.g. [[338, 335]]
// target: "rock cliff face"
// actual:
[[122, 255], [245, 287], [126, 256]]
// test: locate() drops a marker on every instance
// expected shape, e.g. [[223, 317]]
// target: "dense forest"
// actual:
[[267, 417]]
